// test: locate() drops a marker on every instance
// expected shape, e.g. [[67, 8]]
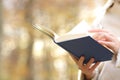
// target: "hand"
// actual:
[[107, 39], [87, 69]]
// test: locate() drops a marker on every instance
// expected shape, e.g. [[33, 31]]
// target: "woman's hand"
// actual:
[[107, 39], [87, 69]]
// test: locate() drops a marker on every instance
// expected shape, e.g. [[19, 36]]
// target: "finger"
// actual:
[[90, 62], [97, 30], [103, 36], [94, 66], [80, 62], [107, 44], [99, 36]]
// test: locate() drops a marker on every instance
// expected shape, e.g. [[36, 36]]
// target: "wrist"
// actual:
[[88, 77]]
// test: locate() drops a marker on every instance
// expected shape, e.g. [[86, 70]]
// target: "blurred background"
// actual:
[[27, 54]]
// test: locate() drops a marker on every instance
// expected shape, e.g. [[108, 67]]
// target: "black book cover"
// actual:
[[87, 47]]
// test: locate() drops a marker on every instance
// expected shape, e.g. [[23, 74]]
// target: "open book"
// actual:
[[79, 42]]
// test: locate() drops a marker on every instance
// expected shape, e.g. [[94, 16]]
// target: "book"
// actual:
[[79, 42]]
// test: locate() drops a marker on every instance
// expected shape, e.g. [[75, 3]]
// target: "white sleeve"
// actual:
[[96, 74], [118, 59]]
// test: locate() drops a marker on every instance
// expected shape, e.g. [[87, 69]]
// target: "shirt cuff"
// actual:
[[96, 73], [118, 59]]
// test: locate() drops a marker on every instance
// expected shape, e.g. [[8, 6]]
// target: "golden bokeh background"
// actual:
[[27, 54]]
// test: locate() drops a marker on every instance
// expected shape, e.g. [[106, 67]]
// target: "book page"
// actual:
[[46, 31], [70, 37], [82, 27], [80, 30]]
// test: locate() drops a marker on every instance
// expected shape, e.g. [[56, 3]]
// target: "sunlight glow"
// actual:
[[59, 52], [38, 48], [60, 65]]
